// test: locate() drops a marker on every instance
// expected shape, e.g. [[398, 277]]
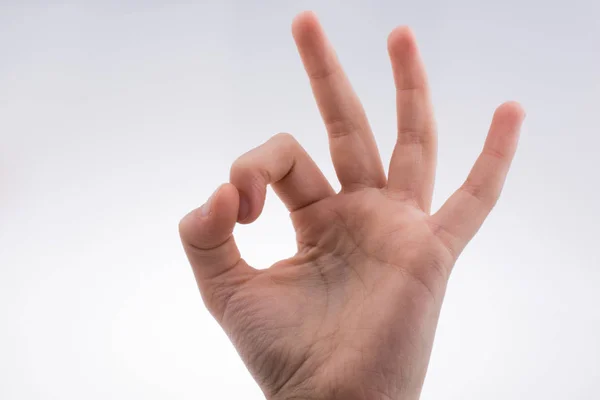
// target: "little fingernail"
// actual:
[[244, 208], [205, 209]]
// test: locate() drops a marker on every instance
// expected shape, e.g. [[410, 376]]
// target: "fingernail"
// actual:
[[205, 209], [244, 209]]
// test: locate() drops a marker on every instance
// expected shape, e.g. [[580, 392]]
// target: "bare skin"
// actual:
[[353, 314]]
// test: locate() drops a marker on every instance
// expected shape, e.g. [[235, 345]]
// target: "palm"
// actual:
[[336, 292], [353, 313]]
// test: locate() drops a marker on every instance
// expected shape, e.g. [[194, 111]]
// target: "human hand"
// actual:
[[353, 314]]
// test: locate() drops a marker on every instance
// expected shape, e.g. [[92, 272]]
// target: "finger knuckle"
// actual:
[[414, 137], [240, 166], [494, 153], [284, 137], [285, 142], [485, 195], [340, 127]]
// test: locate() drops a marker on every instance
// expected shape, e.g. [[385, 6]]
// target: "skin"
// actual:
[[353, 314]]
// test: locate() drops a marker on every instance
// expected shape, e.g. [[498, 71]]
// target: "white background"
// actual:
[[118, 117]]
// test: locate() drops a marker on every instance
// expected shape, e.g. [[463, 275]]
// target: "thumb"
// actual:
[[207, 237]]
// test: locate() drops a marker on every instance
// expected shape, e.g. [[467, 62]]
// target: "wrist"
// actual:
[[354, 391]]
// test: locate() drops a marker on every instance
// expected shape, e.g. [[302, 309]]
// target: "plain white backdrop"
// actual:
[[118, 117]]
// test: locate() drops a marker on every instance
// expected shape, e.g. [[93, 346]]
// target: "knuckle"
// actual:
[[240, 166], [285, 142], [339, 128], [321, 74], [482, 194], [494, 153], [256, 165], [414, 137], [245, 164], [284, 137], [446, 238], [471, 189]]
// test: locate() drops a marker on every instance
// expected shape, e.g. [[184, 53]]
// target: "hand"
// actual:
[[352, 315]]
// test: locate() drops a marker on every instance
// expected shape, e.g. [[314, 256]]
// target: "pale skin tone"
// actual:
[[353, 314]]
